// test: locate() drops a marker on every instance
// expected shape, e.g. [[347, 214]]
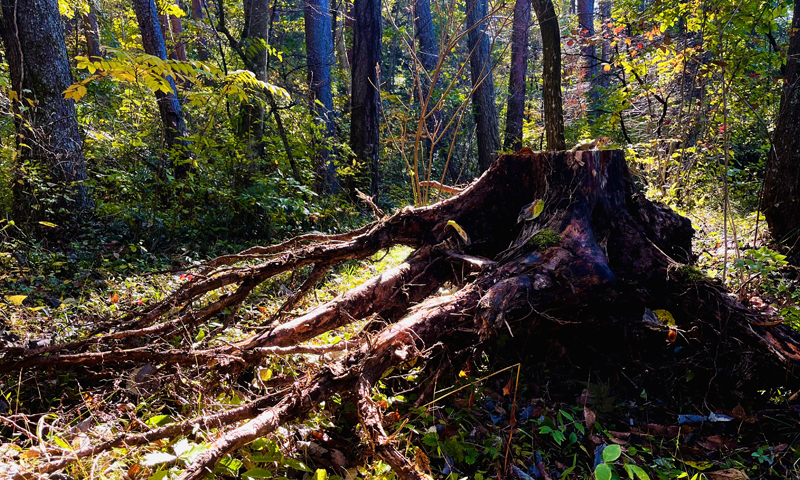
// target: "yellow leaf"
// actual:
[[462, 374], [628, 41], [461, 232], [49, 224], [665, 317], [16, 299], [606, 67], [699, 465], [531, 211]]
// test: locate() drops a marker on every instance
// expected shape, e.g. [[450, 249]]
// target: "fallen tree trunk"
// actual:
[[561, 239]]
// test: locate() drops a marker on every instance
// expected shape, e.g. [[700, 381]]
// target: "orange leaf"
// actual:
[[672, 336], [507, 389], [606, 67], [114, 298]]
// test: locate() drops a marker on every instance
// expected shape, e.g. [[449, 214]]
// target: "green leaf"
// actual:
[[257, 473], [602, 472], [538, 208], [611, 453], [296, 464], [633, 470], [159, 421]]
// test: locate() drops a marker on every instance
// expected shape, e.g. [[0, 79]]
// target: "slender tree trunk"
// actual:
[[177, 38], [515, 111], [319, 54], [198, 14], [428, 55], [47, 129], [254, 45], [589, 69], [551, 75], [483, 97], [364, 116], [782, 182], [92, 32], [168, 105], [341, 47], [605, 15]]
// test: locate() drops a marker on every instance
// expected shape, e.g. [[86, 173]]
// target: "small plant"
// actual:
[[609, 456]]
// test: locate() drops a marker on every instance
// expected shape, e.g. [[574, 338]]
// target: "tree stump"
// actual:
[[562, 240]]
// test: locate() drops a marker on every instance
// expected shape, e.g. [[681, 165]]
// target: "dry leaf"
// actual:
[[508, 388], [727, 474], [589, 417]]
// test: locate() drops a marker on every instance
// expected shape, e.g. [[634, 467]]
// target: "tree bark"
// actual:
[[589, 68], [365, 98], [483, 96], [428, 57], [551, 75], [319, 55], [47, 129], [168, 105], [515, 112], [782, 182], [198, 14], [92, 32], [177, 38]]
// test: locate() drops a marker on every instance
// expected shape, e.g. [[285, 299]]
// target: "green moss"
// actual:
[[691, 274], [543, 240]]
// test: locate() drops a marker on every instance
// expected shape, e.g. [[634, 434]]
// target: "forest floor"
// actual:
[[526, 404]]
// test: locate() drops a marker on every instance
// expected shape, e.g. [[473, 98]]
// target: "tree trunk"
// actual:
[[515, 112], [47, 128], [365, 98], [319, 54], [551, 75], [593, 265], [428, 56], [341, 48], [782, 182], [92, 31], [253, 45], [198, 14], [589, 67], [168, 105], [605, 15], [483, 97], [177, 38]]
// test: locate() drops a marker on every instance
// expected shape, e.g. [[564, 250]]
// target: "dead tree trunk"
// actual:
[[559, 239]]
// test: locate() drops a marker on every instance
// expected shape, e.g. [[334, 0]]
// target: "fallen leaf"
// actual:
[[114, 298], [589, 417], [727, 474], [16, 299], [507, 389]]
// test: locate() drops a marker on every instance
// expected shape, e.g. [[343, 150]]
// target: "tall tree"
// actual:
[[365, 99], [47, 128], [92, 32], [782, 182], [177, 38], [515, 111], [198, 14], [319, 54], [589, 68], [252, 49], [551, 75], [483, 96], [168, 105], [428, 56]]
